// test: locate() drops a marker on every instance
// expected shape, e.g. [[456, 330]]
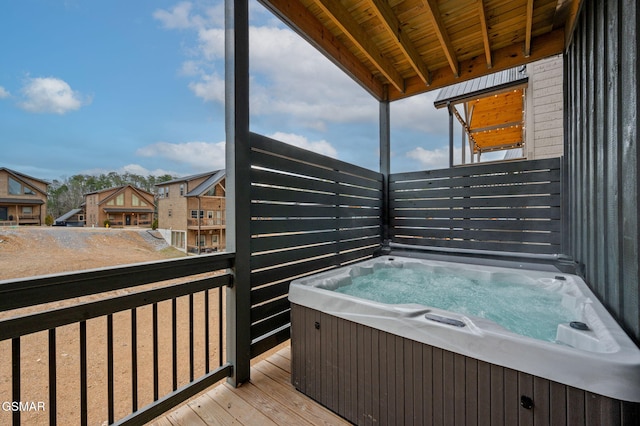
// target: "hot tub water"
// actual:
[[528, 307]]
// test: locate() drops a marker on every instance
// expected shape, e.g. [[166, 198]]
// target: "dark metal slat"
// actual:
[[53, 384], [495, 224], [174, 343], [191, 339], [110, 386], [83, 374], [480, 191], [533, 201], [490, 213], [15, 377], [134, 360], [155, 351], [206, 332]]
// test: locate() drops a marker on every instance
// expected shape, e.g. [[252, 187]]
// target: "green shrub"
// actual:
[[48, 220]]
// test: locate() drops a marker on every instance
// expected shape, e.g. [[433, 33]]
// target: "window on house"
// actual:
[[209, 214], [211, 192], [214, 239], [194, 214], [203, 240], [27, 210], [161, 192], [182, 189], [14, 187], [143, 204], [135, 201], [28, 191], [111, 202], [120, 200]]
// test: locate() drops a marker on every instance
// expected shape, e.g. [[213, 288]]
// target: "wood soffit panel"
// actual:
[[399, 48]]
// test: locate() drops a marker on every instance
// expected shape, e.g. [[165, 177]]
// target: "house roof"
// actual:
[[405, 47], [148, 196], [187, 178], [482, 86], [207, 184], [22, 176], [68, 214]]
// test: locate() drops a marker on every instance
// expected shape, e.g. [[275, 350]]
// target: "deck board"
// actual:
[[269, 399]]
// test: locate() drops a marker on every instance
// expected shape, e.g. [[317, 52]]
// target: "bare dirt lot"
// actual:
[[29, 251], [32, 251]]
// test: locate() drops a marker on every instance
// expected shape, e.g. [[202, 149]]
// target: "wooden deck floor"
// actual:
[[269, 399]]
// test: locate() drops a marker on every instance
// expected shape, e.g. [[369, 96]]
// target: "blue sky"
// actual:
[[138, 86]]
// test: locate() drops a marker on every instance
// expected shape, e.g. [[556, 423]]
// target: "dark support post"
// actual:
[[385, 165], [238, 186], [449, 106]]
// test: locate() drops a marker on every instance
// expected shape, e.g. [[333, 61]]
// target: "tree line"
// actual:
[[68, 193]]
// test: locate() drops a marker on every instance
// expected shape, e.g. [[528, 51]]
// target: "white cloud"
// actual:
[[199, 155], [288, 76], [432, 158], [177, 18], [418, 113], [210, 88], [50, 95], [321, 147], [4, 93]]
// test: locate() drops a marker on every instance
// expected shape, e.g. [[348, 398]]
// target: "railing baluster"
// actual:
[[174, 342], [110, 390], [206, 331], [220, 339], [191, 367], [83, 374], [15, 376], [134, 360], [155, 352], [52, 378]]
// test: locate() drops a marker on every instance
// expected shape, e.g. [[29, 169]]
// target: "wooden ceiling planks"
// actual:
[[413, 46]]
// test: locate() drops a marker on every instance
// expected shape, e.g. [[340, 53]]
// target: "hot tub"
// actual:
[[375, 362]]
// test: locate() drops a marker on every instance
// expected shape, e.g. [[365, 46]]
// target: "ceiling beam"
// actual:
[[393, 26], [441, 32], [485, 32], [298, 17], [341, 17], [546, 45], [527, 37]]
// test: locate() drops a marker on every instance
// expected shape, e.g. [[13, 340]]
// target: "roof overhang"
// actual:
[[402, 48], [21, 201], [126, 210]]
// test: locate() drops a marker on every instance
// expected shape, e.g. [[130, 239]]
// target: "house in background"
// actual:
[[23, 199], [121, 207], [191, 212], [518, 110]]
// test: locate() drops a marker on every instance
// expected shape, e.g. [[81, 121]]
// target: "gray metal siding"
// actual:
[[602, 155]]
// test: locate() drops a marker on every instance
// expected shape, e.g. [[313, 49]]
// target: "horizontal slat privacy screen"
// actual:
[[309, 213], [512, 207]]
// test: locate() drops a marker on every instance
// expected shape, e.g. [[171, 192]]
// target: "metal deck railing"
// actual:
[[141, 285]]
